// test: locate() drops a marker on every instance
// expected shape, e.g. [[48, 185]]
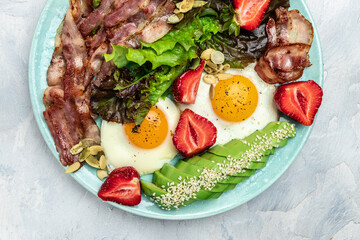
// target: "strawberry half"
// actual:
[[299, 100], [122, 186], [193, 134], [186, 86], [250, 13]]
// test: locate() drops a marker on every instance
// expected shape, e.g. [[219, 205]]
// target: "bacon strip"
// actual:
[[74, 80], [135, 24], [290, 27], [80, 9], [289, 42], [56, 70], [158, 27], [288, 58], [123, 13], [67, 112], [96, 17], [76, 61]]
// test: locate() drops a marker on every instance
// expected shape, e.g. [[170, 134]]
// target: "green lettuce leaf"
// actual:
[[175, 48]]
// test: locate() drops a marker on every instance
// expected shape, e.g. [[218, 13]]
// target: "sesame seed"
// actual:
[[188, 188]]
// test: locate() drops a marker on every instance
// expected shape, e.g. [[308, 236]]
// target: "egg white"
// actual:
[[265, 112], [120, 152]]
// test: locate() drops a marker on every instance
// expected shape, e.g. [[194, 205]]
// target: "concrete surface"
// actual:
[[317, 198]]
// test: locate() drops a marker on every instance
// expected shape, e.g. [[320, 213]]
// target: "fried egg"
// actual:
[[239, 105], [149, 148]]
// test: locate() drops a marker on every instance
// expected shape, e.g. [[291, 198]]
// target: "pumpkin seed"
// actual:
[[102, 162], [94, 150], [88, 142], [175, 18], [206, 55], [186, 6], [76, 149], [211, 64], [209, 79], [212, 92], [199, 4], [224, 76], [92, 161], [84, 155], [217, 57], [73, 167], [101, 174]]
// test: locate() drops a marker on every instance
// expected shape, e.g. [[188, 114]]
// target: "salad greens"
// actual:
[[131, 104], [145, 74], [175, 48]]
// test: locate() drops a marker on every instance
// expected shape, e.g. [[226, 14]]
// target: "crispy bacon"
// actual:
[[290, 27], [289, 42], [123, 13], [96, 17], [74, 80], [76, 61], [288, 58], [158, 27], [56, 70], [93, 42], [128, 31], [80, 9], [58, 126]]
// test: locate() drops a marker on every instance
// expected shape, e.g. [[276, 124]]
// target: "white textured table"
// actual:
[[317, 198]]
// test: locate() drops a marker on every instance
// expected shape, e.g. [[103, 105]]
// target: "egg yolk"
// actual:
[[152, 131], [235, 99]]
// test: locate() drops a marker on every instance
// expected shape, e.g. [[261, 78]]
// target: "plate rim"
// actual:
[[252, 195]]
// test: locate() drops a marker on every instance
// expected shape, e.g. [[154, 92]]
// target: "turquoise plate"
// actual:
[[41, 52]]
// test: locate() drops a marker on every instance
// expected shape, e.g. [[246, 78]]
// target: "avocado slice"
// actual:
[[174, 173], [152, 190], [197, 171], [202, 163], [262, 143]]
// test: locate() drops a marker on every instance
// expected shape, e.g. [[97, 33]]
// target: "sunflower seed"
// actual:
[[211, 64], [199, 4], [73, 167], [224, 76], [101, 174], [92, 161], [209, 79], [217, 57], [102, 162], [208, 69], [212, 92], [226, 67], [206, 55]]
